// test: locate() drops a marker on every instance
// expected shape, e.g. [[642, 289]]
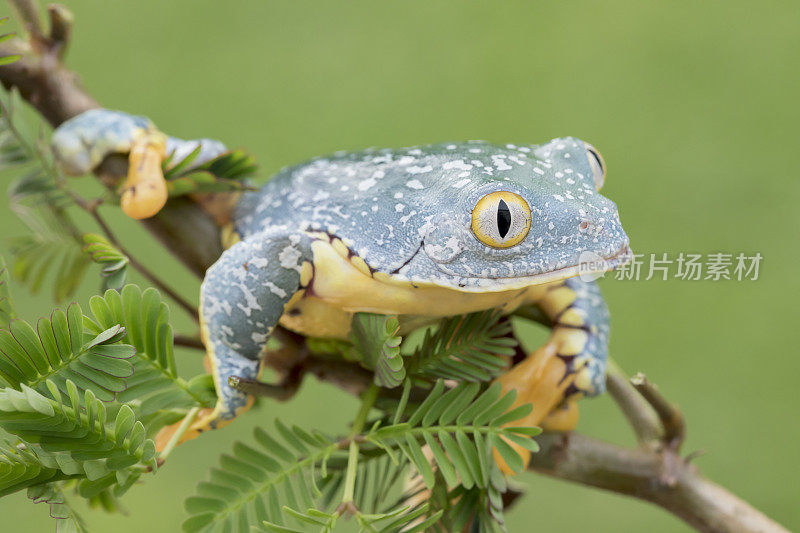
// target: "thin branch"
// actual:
[[671, 418], [188, 341], [28, 13], [638, 473], [640, 414]]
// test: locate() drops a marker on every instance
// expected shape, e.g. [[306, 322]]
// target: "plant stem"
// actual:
[[367, 401], [176, 437]]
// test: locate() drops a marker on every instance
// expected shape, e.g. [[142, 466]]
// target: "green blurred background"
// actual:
[[694, 106]]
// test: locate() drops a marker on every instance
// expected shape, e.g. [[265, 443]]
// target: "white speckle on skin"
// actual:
[[289, 258], [398, 195], [419, 170], [399, 208], [458, 165], [461, 183], [414, 184], [366, 184]]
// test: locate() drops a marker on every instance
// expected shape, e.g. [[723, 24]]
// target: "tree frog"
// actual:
[[422, 233]]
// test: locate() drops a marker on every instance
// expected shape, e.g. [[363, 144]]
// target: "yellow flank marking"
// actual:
[[229, 237], [583, 381], [306, 273], [571, 317], [557, 300], [383, 277], [344, 286], [340, 248], [570, 341], [360, 264]]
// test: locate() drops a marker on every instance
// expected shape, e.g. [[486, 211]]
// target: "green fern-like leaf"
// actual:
[[7, 312], [52, 247], [224, 173], [59, 350], [376, 346], [460, 429], [114, 262], [260, 480], [155, 384], [473, 347], [20, 469], [76, 437]]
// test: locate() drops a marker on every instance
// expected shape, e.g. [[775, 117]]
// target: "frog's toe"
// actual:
[[81, 143], [563, 418]]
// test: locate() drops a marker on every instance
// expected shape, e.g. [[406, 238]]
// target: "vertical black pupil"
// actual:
[[503, 219]]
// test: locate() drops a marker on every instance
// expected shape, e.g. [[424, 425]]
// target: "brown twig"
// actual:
[[640, 414], [27, 12], [188, 341], [652, 473], [670, 416]]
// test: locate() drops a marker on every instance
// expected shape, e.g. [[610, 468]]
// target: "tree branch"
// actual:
[[664, 479], [654, 472]]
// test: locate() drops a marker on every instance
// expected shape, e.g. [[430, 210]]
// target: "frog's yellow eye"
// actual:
[[597, 164], [501, 219]]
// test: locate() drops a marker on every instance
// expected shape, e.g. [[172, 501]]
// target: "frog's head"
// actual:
[[536, 216]]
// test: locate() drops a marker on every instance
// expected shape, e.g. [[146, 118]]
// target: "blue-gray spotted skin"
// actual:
[[407, 211], [243, 297]]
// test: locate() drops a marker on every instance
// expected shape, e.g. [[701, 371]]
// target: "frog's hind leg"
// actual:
[[571, 363], [243, 297]]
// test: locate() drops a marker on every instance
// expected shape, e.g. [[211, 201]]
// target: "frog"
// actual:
[[421, 233]]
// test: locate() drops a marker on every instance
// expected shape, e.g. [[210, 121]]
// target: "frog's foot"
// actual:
[[81, 143], [547, 380]]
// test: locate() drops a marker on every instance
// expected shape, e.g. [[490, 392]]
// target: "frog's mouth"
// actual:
[[590, 266]]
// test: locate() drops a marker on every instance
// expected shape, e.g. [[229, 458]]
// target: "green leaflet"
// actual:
[[155, 384], [76, 437], [226, 172], [472, 347], [58, 350], [114, 262], [461, 431], [376, 346], [263, 478], [5, 60], [20, 469]]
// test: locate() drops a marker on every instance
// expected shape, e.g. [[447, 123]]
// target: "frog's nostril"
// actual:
[[584, 225]]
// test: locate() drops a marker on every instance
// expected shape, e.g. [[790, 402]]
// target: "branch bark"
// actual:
[[654, 472], [662, 478]]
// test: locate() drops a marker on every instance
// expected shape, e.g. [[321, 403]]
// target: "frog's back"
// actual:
[[375, 200]]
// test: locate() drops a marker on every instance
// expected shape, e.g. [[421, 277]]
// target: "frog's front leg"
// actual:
[[242, 298], [571, 363], [81, 143]]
